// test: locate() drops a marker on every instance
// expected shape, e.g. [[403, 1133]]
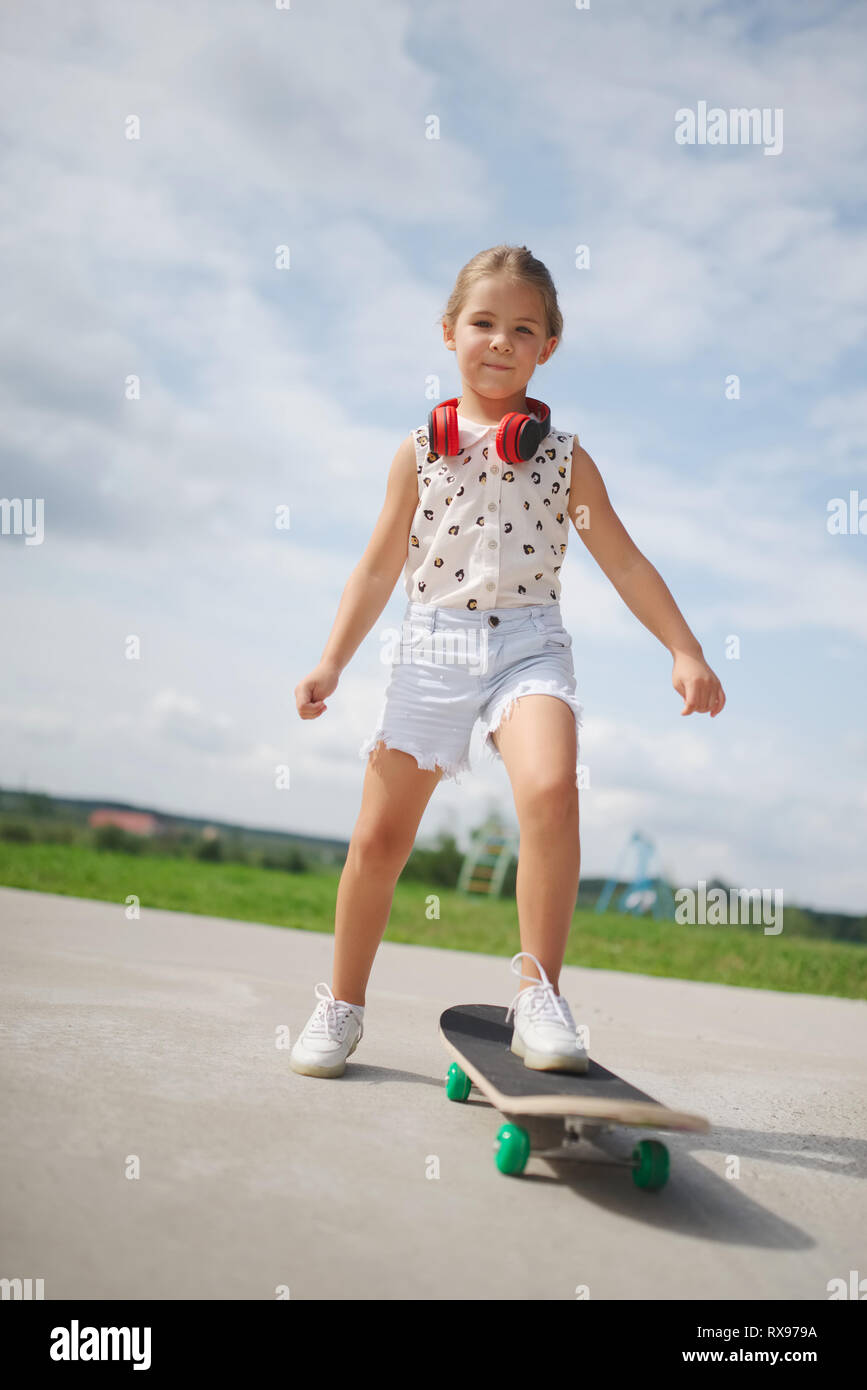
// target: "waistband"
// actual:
[[432, 617]]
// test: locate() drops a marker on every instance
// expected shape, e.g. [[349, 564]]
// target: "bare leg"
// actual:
[[537, 743], [395, 793]]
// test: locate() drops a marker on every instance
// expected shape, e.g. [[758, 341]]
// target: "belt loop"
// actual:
[[423, 617]]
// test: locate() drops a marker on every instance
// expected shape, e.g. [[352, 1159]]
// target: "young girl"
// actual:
[[477, 514]]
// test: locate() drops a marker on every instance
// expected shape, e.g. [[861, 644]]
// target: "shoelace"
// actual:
[[544, 1000], [330, 1017]]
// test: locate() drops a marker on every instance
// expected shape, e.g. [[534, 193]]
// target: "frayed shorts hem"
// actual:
[[451, 771], [427, 762], [504, 708]]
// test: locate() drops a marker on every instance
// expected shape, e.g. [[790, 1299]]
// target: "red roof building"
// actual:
[[136, 822]]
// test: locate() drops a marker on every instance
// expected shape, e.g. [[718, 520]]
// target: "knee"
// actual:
[[380, 845], [548, 803]]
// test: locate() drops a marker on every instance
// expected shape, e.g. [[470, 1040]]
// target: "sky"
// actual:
[[171, 382]]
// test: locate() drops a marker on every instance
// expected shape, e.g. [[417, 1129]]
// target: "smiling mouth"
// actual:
[[495, 367]]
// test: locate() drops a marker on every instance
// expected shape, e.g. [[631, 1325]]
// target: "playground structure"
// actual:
[[648, 889], [486, 862], [495, 845]]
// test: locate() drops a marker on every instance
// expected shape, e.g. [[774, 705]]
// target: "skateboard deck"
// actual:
[[587, 1105]]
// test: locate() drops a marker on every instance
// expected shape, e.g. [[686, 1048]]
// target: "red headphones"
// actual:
[[518, 436]]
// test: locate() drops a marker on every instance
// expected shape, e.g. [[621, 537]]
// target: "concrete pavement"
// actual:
[[157, 1145]]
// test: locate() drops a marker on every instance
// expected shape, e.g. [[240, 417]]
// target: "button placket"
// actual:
[[491, 543]]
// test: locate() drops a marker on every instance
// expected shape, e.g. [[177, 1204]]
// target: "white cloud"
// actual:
[[262, 388]]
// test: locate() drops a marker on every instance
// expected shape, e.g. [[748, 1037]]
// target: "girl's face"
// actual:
[[499, 337]]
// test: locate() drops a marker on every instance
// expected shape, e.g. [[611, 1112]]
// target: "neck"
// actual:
[[488, 410]]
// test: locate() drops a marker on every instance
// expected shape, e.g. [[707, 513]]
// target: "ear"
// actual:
[[448, 338], [547, 350]]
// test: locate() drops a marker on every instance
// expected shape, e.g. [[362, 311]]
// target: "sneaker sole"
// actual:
[[311, 1069], [543, 1061]]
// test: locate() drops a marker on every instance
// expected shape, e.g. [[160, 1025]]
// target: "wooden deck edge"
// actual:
[[652, 1114]]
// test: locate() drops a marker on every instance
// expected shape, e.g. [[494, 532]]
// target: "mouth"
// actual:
[[495, 367]]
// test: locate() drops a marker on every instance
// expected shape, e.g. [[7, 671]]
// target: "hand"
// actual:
[[310, 693], [695, 681]]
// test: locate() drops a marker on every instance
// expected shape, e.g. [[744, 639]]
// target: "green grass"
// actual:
[[723, 955]]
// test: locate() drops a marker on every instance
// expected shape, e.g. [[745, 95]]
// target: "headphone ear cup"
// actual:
[[443, 430], [529, 439], [516, 437], [536, 429]]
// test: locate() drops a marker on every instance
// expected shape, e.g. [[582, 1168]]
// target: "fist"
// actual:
[[310, 693]]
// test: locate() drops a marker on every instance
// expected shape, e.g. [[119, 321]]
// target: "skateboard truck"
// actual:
[[579, 1135]]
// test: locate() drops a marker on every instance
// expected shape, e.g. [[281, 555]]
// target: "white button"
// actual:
[[492, 545], [490, 586], [494, 468], [492, 506]]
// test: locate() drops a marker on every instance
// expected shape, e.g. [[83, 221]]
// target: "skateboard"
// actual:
[[541, 1107]]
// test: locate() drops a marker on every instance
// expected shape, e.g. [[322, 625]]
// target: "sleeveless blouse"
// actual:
[[489, 534]]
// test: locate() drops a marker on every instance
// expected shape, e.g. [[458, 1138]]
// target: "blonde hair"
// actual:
[[520, 265]]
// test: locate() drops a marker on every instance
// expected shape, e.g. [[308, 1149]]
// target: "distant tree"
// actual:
[[210, 850], [115, 838], [62, 833], [440, 863], [290, 860], [16, 830]]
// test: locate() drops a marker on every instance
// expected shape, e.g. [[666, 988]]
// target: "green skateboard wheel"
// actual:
[[651, 1164], [458, 1084], [511, 1149]]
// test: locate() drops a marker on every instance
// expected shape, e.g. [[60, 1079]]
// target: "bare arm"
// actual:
[[369, 586], [639, 584]]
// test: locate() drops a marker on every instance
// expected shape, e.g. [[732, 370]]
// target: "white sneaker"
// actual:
[[330, 1035], [544, 1033]]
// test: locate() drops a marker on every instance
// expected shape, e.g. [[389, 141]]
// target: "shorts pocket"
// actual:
[[558, 638]]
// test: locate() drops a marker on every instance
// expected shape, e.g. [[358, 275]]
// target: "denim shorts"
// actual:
[[452, 666]]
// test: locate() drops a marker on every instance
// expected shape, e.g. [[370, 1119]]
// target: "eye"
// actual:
[[485, 323]]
